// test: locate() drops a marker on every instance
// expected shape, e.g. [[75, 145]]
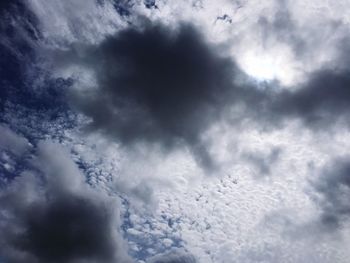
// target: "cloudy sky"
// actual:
[[174, 131]]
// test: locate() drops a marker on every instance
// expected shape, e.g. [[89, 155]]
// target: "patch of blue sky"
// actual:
[[144, 239]]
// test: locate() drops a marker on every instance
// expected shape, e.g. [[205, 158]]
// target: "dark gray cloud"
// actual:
[[323, 97], [68, 228], [161, 85], [166, 86], [322, 100], [333, 185], [56, 217]]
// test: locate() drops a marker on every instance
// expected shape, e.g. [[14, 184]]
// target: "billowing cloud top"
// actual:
[[56, 217], [158, 85]]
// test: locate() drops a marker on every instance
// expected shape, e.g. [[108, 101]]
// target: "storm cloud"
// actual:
[[56, 217], [163, 85], [323, 99]]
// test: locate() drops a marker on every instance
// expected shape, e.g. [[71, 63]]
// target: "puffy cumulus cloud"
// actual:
[[174, 256], [14, 149], [12, 142], [49, 214], [163, 85], [168, 84], [280, 39], [61, 24], [333, 187]]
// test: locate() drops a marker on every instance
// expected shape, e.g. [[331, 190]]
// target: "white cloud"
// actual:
[[65, 22], [13, 142]]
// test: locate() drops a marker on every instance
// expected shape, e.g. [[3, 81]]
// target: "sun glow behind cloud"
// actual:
[[268, 66], [261, 68]]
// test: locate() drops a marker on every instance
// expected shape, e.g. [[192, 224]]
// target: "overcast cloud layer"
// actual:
[[174, 131]]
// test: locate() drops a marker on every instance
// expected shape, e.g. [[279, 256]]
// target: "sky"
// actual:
[[173, 131]]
